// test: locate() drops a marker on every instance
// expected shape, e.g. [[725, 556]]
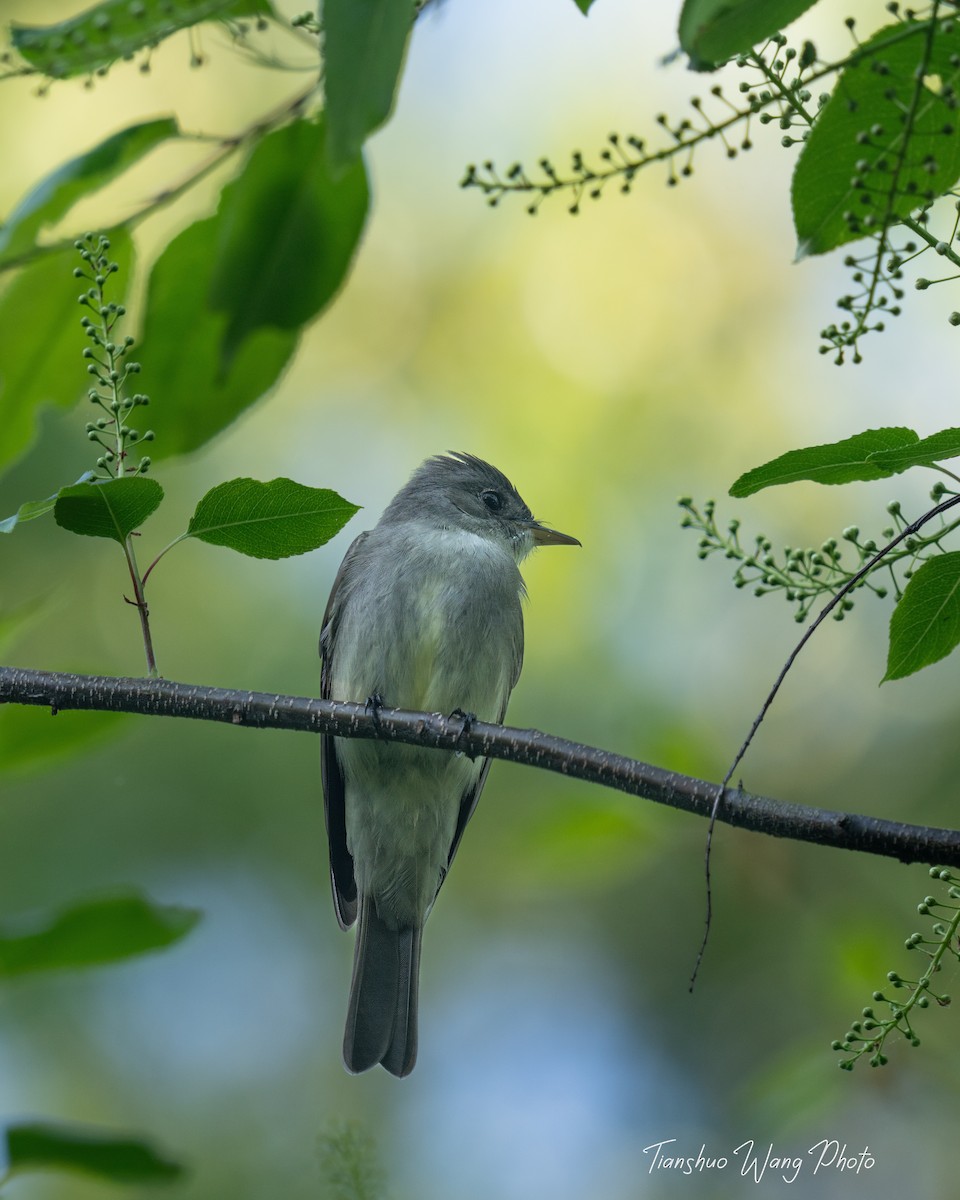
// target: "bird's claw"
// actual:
[[466, 728], [373, 704]]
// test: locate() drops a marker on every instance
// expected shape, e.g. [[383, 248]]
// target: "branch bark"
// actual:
[[165, 698]]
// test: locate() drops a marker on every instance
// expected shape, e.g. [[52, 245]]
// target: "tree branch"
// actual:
[[165, 698]]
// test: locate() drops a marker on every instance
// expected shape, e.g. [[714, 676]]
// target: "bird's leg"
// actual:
[[468, 719], [373, 704]]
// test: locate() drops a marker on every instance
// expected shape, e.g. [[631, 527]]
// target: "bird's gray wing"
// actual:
[[471, 797], [341, 861]]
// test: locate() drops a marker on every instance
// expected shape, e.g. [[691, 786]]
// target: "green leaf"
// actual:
[[41, 342], [712, 31], [583, 5], [313, 221], [856, 151], [836, 462], [932, 449], [111, 509], [925, 625], [269, 520], [211, 352], [92, 932], [31, 739], [54, 195], [182, 343], [28, 511], [364, 42], [117, 1158], [114, 29], [31, 509]]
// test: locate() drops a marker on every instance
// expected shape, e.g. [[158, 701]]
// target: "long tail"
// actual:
[[382, 1012]]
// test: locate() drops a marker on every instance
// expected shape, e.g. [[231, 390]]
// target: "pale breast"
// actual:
[[432, 622]]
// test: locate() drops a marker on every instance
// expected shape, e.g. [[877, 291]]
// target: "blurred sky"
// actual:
[[655, 345]]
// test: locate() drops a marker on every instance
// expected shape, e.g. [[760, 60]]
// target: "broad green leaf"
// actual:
[[28, 511], [932, 449], [92, 932], [210, 352], [114, 1157], [182, 349], [41, 342], [364, 42], [712, 31], [54, 195], [584, 5], [290, 236], [836, 462], [31, 509], [31, 739], [856, 151], [269, 520], [112, 509], [114, 29], [925, 625]]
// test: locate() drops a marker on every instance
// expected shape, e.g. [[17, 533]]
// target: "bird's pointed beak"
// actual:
[[544, 536]]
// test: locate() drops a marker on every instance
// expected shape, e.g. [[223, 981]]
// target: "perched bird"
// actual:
[[424, 614]]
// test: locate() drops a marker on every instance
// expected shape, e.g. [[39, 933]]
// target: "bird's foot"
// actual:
[[373, 704], [468, 719]]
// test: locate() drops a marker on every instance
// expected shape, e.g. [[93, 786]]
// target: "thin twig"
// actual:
[[907, 531]]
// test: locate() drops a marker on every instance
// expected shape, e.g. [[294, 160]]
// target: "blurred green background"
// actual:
[[655, 345]]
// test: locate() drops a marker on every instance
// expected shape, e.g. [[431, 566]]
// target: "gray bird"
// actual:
[[424, 614]]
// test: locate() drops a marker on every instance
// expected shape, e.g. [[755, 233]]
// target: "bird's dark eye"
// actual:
[[493, 500]]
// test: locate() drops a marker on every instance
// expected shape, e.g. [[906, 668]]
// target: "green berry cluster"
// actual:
[[868, 1035], [109, 366], [804, 576], [776, 94]]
